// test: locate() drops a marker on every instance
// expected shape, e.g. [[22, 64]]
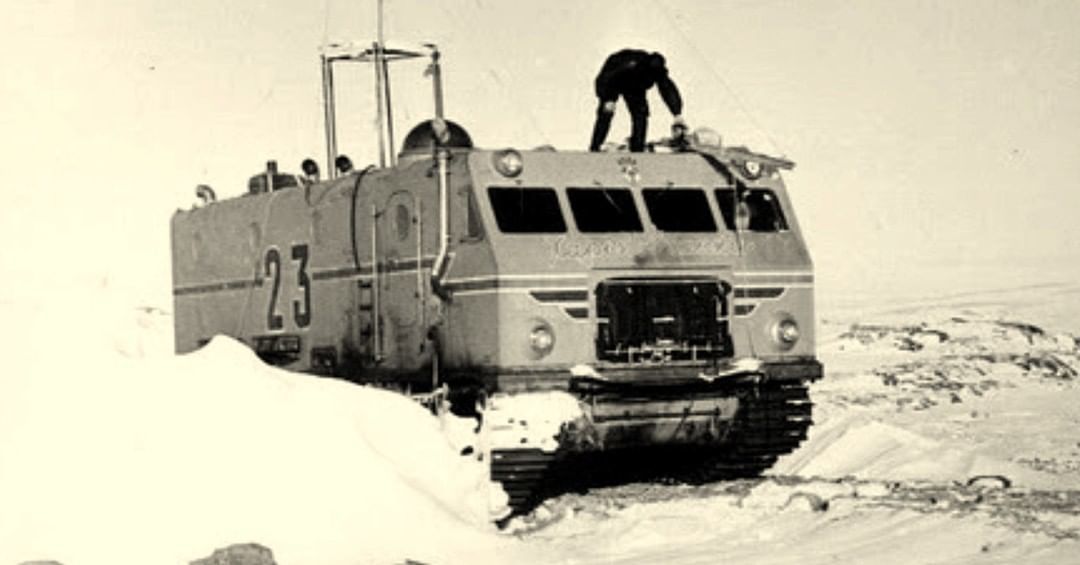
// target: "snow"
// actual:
[[944, 433], [777, 524], [529, 420], [865, 448], [113, 450]]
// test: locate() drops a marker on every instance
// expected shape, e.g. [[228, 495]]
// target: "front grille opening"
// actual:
[[659, 320]]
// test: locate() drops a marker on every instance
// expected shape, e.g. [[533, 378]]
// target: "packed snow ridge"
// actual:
[[115, 451]]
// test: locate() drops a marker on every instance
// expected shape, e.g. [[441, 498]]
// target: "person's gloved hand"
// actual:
[[679, 128]]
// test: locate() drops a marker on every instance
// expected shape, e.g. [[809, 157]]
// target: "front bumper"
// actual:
[[651, 409], [645, 376]]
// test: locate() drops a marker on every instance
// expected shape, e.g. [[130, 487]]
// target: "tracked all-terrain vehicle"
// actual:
[[584, 306]]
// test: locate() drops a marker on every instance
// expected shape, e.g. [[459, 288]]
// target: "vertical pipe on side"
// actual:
[[436, 81], [438, 272], [420, 299], [376, 291], [442, 157]]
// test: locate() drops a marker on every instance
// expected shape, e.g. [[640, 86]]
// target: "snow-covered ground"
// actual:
[[113, 450], [945, 432]]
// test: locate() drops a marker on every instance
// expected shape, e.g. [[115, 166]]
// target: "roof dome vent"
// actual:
[[420, 141]]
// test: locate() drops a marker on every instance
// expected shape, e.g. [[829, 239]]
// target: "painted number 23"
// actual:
[[301, 309]]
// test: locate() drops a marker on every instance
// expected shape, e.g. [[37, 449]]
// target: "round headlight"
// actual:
[[751, 169], [786, 333], [508, 162], [541, 339]]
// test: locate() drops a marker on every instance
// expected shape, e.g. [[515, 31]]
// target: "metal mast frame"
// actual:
[[380, 57]]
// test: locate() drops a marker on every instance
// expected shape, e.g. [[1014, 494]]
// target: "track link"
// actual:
[[521, 472], [772, 421]]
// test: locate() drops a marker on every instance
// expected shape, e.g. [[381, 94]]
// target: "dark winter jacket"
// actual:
[[631, 72]]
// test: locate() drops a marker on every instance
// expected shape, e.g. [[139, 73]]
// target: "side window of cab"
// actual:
[[760, 210]]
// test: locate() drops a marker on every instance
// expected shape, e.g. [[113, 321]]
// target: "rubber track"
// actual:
[[772, 421], [521, 472]]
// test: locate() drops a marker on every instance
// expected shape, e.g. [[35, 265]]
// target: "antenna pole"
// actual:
[[389, 114], [328, 115], [380, 22], [382, 94], [379, 123]]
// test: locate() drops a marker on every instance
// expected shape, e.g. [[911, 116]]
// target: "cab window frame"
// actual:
[[678, 217], [769, 200], [589, 217], [526, 220]]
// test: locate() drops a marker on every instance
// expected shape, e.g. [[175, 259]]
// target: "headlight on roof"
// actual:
[[508, 162], [751, 169]]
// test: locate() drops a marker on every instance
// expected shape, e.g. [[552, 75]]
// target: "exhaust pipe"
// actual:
[[442, 259]]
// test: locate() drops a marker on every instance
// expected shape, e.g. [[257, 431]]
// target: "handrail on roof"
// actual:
[[379, 56], [353, 51]]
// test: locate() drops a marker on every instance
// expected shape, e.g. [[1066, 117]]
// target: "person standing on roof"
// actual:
[[630, 73]]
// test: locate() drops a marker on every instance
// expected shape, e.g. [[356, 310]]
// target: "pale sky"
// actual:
[[925, 133]]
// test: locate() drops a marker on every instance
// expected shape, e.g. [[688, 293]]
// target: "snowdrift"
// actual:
[[862, 447], [112, 451]]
